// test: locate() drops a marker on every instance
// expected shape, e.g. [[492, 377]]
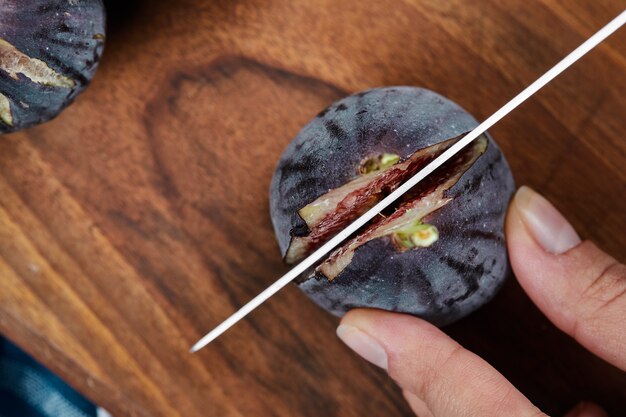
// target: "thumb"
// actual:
[[581, 289], [439, 377]]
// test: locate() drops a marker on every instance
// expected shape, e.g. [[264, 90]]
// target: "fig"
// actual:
[[49, 52], [439, 253]]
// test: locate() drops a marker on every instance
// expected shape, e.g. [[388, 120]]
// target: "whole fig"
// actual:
[[440, 252], [49, 51]]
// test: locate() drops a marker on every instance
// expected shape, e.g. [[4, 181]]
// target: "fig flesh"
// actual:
[[440, 252], [49, 52]]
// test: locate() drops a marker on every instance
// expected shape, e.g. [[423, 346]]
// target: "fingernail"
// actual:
[[547, 226], [364, 345]]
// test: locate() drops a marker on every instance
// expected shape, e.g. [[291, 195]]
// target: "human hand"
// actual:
[[581, 289]]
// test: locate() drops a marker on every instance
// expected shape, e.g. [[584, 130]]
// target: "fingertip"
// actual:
[[530, 263], [538, 268], [575, 284], [360, 318], [385, 326], [354, 315], [384, 322], [377, 335], [548, 227], [358, 330], [363, 344]]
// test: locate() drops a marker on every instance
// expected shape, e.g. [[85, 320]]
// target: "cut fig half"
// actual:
[[333, 211]]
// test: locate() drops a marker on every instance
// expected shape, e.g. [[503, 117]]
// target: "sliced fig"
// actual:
[[49, 52], [440, 252], [405, 226], [329, 213]]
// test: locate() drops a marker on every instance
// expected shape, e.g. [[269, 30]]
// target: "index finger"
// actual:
[[581, 289]]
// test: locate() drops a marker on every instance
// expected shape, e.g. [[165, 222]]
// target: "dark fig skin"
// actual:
[[59, 44], [441, 283]]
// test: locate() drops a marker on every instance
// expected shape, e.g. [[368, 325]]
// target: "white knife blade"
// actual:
[[325, 249]]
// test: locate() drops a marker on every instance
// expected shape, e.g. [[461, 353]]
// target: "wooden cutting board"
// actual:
[[139, 219]]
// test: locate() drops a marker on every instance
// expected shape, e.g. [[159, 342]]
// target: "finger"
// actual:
[[424, 361], [417, 405], [587, 410], [581, 289]]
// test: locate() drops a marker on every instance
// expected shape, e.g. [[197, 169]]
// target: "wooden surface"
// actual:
[[138, 219]]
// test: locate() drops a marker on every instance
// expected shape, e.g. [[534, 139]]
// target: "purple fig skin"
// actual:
[[441, 283], [62, 41]]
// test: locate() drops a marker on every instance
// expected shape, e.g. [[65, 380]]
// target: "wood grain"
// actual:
[[139, 218]]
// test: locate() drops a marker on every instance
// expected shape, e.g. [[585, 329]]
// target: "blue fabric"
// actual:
[[29, 390]]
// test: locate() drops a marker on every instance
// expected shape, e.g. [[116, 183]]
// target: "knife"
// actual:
[[325, 249]]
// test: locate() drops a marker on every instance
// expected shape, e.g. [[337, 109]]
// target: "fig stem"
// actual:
[[417, 235]]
